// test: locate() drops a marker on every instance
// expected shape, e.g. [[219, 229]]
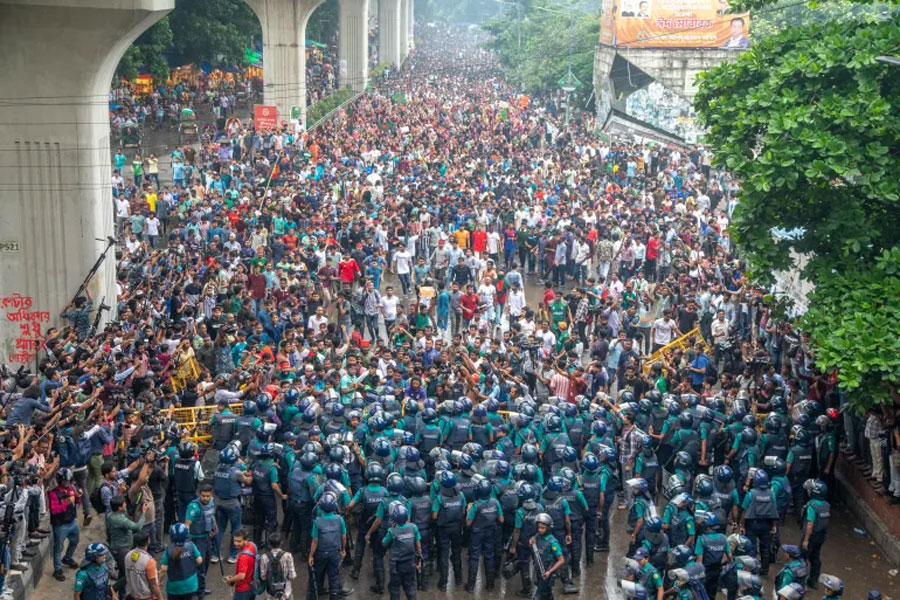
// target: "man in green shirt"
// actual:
[[559, 311], [120, 530]]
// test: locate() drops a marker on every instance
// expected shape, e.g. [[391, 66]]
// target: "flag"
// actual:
[[275, 172]]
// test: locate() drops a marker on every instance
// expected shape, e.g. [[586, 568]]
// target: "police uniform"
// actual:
[[203, 523], [527, 525], [760, 511], [449, 505], [485, 515], [579, 508], [818, 512], [327, 529], [186, 479], [227, 490], [369, 498], [383, 514], [401, 540], [549, 549], [265, 473], [714, 547], [421, 518], [92, 580]]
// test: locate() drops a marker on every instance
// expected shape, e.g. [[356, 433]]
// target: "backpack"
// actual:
[[97, 500], [275, 580]]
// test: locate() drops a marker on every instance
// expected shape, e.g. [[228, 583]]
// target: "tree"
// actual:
[[809, 121], [546, 38], [148, 52], [213, 31]]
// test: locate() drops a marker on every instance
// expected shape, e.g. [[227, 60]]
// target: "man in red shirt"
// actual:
[[469, 304], [246, 563], [256, 283], [479, 241], [652, 255], [348, 270]]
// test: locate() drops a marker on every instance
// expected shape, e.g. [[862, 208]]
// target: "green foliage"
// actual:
[[809, 122], [378, 72], [213, 31], [853, 321], [147, 52], [782, 14], [546, 38], [324, 106], [323, 23]]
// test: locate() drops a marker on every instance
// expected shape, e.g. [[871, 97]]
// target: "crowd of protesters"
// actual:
[[440, 314]]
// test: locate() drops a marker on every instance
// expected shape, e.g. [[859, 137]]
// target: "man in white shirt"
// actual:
[[388, 307], [515, 303], [403, 266], [664, 330], [123, 211]]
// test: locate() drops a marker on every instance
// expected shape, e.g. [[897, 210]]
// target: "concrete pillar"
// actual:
[[411, 36], [389, 32], [57, 58], [284, 52], [404, 28], [354, 43]]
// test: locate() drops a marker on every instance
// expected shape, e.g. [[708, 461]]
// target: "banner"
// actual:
[[265, 117], [673, 24]]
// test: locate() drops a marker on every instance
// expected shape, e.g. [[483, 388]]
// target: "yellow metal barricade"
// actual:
[[196, 420], [682, 343]]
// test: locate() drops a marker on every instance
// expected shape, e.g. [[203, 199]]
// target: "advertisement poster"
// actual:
[[673, 24], [265, 117]]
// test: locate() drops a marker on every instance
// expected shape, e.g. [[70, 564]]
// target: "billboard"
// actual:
[[672, 24], [265, 117]]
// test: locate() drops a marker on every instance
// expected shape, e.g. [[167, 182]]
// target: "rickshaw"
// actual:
[[187, 126], [130, 135]]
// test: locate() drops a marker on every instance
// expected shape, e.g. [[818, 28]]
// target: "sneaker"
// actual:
[[18, 567], [70, 563], [87, 520], [214, 559], [232, 560], [59, 575]]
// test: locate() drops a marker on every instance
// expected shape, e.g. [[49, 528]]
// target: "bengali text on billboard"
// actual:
[[672, 23]]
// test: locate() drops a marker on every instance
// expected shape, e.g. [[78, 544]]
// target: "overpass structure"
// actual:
[[57, 59]]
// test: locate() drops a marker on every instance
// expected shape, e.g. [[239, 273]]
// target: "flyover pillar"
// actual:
[[57, 58], [411, 34], [389, 32], [354, 43], [284, 52], [404, 29]]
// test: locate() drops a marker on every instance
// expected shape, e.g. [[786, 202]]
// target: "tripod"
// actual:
[[111, 241]]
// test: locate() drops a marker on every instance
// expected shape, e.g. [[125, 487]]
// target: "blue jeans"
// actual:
[[61, 533], [405, 282], [248, 595], [224, 516]]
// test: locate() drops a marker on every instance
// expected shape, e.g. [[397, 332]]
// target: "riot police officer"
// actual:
[[327, 548], [760, 517], [712, 550], [92, 577], [367, 499], [484, 517], [548, 556], [187, 474], [227, 481], [447, 510], [200, 520], [793, 571], [405, 543], [265, 489], [525, 529], [421, 518], [579, 508], [395, 489], [815, 529], [799, 467]]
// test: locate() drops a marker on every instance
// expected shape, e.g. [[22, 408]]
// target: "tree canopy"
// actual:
[[809, 120], [534, 51]]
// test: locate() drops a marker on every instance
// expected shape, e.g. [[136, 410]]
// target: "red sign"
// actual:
[[265, 117]]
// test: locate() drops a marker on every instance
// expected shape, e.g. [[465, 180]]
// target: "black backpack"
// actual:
[[275, 581], [97, 500]]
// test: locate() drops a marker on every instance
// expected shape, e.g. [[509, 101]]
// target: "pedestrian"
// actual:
[[141, 575], [64, 499], [276, 570]]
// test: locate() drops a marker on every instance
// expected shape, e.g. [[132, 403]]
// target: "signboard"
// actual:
[[569, 81], [672, 24], [265, 117], [296, 113]]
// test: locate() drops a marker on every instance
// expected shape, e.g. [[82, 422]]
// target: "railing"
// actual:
[[681, 343]]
